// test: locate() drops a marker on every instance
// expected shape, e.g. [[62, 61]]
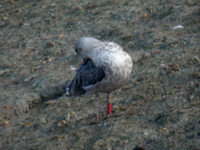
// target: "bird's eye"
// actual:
[[77, 50]]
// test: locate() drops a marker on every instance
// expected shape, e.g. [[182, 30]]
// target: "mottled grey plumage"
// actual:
[[88, 74], [106, 68]]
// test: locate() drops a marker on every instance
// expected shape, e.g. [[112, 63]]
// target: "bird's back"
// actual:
[[117, 65]]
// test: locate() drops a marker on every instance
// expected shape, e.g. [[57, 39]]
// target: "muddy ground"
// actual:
[[159, 109]]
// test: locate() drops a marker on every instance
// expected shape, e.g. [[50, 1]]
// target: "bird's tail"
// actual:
[[71, 89], [67, 89]]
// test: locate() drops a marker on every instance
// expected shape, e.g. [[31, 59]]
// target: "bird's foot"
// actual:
[[109, 115]]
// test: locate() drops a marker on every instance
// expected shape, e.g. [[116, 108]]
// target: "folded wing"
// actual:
[[87, 75]]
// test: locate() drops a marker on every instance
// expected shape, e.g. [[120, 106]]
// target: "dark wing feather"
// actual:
[[87, 74]]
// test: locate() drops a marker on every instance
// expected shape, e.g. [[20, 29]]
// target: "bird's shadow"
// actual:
[[103, 117]]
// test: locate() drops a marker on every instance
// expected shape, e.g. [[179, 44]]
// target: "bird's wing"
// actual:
[[87, 75]]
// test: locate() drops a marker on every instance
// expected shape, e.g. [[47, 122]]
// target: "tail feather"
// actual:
[[72, 90]]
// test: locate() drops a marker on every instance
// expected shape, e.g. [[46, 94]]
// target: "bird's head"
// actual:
[[85, 45]]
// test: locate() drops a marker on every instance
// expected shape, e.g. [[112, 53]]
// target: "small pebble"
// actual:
[[68, 117], [26, 24], [78, 8], [5, 72], [10, 50], [178, 27], [72, 68], [125, 88], [50, 102], [73, 113], [173, 67], [43, 120], [133, 112], [145, 15], [68, 104], [61, 123], [127, 37], [46, 59], [146, 133], [28, 50], [60, 36], [196, 59], [49, 45], [26, 124], [6, 123], [53, 4], [117, 108], [6, 106], [5, 18], [11, 1], [165, 130]]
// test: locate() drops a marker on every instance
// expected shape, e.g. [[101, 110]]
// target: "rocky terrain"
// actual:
[[159, 109]]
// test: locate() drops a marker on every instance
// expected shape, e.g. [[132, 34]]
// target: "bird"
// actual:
[[106, 67]]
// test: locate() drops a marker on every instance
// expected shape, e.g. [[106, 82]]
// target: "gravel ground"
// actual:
[[159, 109]]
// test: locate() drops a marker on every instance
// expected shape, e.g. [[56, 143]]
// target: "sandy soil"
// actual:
[[158, 109]]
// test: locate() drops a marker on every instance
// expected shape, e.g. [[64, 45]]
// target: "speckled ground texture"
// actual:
[[159, 109]]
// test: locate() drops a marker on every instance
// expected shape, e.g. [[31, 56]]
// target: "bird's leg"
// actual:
[[109, 106]]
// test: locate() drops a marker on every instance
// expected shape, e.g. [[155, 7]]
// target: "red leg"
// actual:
[[109, 107]]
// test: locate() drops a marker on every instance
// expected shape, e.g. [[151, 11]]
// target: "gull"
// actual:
[[106, 67]]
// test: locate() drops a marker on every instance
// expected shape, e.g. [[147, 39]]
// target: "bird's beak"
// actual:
[[80, 64]]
